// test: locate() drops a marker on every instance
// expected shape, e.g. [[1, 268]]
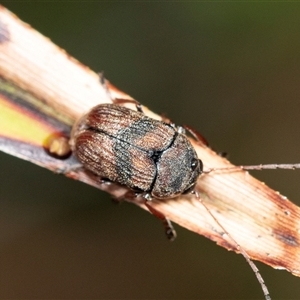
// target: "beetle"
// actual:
[[152, 158], [125, 146]]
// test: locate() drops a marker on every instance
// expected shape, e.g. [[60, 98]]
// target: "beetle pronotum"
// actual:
[[153, 158]]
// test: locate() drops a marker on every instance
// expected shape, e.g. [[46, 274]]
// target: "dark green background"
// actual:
[[230, 70]]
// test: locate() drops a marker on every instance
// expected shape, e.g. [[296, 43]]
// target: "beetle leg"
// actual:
[[199, 138], [182, 130], [196, 135], [102, 79], [104, 84], [223, 154], [119, 101], [138, 105], [168, 121], [169, 230]]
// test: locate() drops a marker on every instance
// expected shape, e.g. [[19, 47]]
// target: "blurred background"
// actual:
[[231, 71]]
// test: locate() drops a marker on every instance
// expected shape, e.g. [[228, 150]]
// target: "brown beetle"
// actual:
[[127, 147], [151, 157]]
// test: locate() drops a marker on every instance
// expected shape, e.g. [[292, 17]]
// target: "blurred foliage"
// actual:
[[230, 70]]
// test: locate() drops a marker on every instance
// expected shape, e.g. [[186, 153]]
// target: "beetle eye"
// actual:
[[194, 164]]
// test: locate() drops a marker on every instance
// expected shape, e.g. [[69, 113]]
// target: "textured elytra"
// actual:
[[130, 126], [132, 149], [118, 161]]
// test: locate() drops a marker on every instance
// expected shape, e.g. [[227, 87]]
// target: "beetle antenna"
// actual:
[[238, 248], [255, 167]]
